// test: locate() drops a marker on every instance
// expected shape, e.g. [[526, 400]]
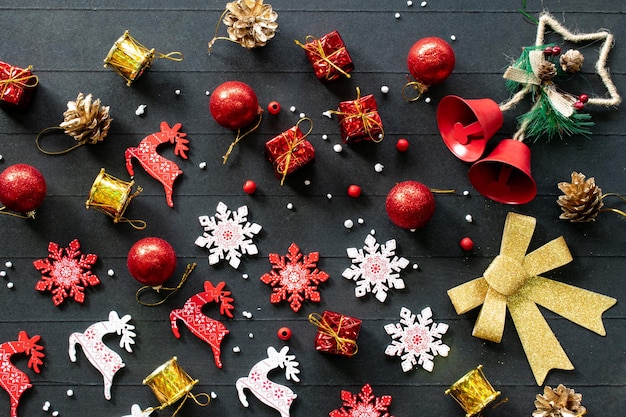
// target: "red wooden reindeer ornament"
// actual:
[[12, 380], [204, 327], [162, 169]]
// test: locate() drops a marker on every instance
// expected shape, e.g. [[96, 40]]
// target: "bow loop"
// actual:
[[511, 281]]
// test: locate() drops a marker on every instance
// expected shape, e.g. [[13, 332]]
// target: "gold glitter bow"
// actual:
[[324, 327], [314, 45], [512, 281], [20, 78]]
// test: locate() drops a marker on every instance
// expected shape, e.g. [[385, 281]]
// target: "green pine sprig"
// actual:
[[542, 120]]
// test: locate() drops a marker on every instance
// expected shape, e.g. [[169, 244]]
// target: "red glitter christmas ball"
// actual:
[[410, 204], [234, 105], [22, 188], [431, 60], [151, 261]]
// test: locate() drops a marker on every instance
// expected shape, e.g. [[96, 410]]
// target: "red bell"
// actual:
[[467, 125], [504, 175]]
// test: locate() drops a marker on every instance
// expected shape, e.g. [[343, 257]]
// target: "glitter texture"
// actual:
[[512, 281]]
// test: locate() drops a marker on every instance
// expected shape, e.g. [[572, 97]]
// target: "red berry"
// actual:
[[556, 50], [410, 204], [273, 107], [548, 50], [466, 244], [234, 105], [579, 105], [22, 188], [431, 60], [402, 145], [354, 191], [583, 98], [249, 187], [284, 333], [151, 261]]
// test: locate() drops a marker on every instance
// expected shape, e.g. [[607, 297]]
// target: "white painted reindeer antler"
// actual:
[[290, 364], [124, 329]]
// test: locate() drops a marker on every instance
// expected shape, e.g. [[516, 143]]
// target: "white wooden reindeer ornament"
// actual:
[[272, 394], [105, 360]]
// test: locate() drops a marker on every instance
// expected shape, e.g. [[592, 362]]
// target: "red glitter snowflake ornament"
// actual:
[[295, 277], [363, 404], [66, 274]]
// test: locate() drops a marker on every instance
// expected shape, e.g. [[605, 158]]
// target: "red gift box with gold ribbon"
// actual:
[[16, 85], [359, 119], [328, 55], [289, 151], [336, 333]]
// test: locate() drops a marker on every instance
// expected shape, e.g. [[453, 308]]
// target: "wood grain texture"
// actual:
[[66, 41]]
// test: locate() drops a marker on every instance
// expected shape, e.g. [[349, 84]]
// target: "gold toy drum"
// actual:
[[473, 391], [129, 58], [110, 195], [170, 383]]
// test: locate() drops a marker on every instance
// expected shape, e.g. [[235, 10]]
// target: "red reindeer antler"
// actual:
[[223, 297], [33, 349]]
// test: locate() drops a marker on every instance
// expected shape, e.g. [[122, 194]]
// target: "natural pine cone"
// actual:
[[546, 71], [250, 22], [572, 61], [582, 200], [86, 120], [559, 402]]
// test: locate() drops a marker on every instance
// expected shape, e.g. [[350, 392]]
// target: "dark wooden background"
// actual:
[[66, 41]]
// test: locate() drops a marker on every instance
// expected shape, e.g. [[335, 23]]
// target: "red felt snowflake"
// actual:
[[66, 275], [363, 404], [294, 277]]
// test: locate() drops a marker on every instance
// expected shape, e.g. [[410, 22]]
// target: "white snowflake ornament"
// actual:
[[228, 235], [416, 339], [375, 268]]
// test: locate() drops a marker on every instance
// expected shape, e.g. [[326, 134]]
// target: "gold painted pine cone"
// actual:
[[250, 22], [582, 200], [86, 120], [559, 402]]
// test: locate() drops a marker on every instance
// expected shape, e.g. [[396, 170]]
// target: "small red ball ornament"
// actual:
[[431, 60], [466, 244], [402, 145], [22, 188], [234, 105], [410, 204], [284, 333], [249, 187], [151, 261], [354, 191], [273, 107]]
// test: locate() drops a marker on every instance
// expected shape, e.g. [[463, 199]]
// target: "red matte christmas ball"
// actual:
[[22, 188], [151, 261], [410, 204], [234, 105], [431, 60]]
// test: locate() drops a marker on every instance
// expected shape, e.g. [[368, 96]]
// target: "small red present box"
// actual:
[[359, 119], [289, 151], [336, 333], [329, 56], [16, 85]]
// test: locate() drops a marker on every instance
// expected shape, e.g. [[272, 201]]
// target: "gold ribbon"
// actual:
[[188, 270], [324, 327], [366, 118], [292, 144], [18, 79], [561, 102], [421, 88], [315, 46], [512, 281]]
